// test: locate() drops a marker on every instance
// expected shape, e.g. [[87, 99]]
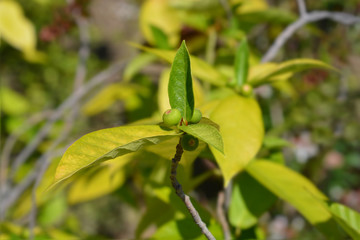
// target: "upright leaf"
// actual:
[[108, 144], [242, 131], [241, 63], [160, 37], [348, 219], [298, 191], [180, 88], [201, 69]]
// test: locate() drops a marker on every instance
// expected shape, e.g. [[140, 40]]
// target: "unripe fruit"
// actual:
[[196, 117], [189, 142], [171, 117], [247, 90]]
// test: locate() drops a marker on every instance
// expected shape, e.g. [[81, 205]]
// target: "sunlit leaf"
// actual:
[[99, 181], [273, 71], [157, 13], [106, 97], [13, 103], [161, 40], [206, 132], [18, 31], [298, 191], [108, 144], [348, 219], [200, 68], [242, 132], [137, 63], [180, 88]]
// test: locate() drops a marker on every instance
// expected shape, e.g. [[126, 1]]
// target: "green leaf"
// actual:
[[249, 201], [160, 38], [271, 73], [163, 99], [348, 219], [242, 132], [18, 31], [298, 191], [180, 88], [200, 68], [136, 64], [206, 132], [13, 103], [108, 144], [242, 63]]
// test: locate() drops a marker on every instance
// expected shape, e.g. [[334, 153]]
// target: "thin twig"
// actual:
[[80, 75], [10, 196], [11, 140], [222, 216], [67, 104], [302, 7], [185, 198], [314, 16]]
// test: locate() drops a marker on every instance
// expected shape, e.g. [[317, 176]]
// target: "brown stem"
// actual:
[[185, 198], [222, 216]]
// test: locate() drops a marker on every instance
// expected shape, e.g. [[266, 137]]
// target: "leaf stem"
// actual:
[[185, 198]]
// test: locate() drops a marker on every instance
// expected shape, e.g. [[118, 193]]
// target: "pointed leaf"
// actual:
[[160, 38], [274, 71], [242, 131], [206, 132], [108, 144], [241, 63], [200, 68], [249, 201], [298, 191], [348, 219], [163, 99], [180, 88]]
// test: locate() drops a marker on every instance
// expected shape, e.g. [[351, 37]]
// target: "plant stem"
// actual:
[[185, 198]]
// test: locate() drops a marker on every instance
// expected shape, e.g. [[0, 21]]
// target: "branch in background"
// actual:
[[220, 211], [81, 70], [185, 198], [58, 113], [11, 140], [302, 7], [304, 19], [9, 198]]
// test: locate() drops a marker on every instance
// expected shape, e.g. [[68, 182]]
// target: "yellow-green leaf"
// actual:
[[206, 132], [157, 13], [242, 132], [127, 92], [200, 68], [13, 103], [99, 181], [108, 144], [272, 72], [296, 190], [348, 219], [17, 30]]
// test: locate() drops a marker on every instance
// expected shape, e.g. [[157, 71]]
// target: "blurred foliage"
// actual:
[[311, 119]]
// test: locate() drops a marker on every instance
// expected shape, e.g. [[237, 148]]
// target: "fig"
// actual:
[[196, 117], [171, 117], [189, 142]]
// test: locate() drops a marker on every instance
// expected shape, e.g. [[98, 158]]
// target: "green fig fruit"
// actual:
[[196, 117], [189, 142], [171, 117]]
